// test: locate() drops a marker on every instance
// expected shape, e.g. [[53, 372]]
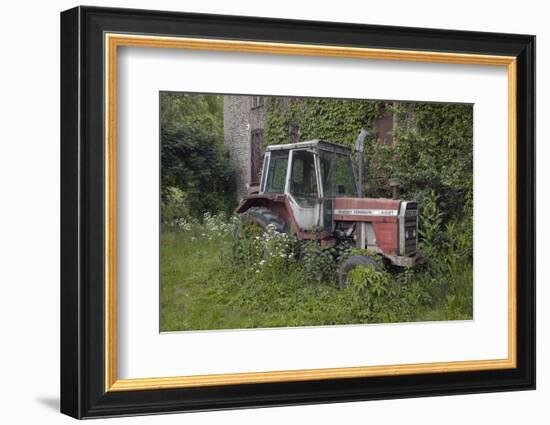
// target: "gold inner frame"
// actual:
[[113, 41]]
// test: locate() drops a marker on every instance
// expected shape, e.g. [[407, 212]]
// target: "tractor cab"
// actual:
[[310, 174]]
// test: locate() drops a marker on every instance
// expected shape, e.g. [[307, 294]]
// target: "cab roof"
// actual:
[[312, 144]]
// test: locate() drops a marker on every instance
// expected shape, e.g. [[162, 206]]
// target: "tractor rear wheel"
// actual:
[[264, 217], [350, 264], [261, 217]]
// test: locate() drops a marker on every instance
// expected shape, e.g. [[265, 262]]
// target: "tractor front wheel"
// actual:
[[350, 264]]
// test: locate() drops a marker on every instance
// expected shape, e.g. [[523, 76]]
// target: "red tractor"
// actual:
[[309, 188]]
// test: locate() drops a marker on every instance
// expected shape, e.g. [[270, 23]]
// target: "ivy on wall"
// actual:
[[432, 149], [434, 152], [337, 120]]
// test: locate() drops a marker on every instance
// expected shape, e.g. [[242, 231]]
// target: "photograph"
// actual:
[[262, 211], [308, 211]]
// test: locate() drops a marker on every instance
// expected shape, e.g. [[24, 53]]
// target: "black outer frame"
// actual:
[[82, 212]]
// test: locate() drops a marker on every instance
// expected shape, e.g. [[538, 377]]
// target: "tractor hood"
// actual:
[[369, 209]]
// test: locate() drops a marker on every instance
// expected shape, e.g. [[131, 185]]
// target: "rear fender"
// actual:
[[274, 202], [279, 204]]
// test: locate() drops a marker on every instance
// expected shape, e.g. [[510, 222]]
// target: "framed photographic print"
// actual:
[[261, 212]]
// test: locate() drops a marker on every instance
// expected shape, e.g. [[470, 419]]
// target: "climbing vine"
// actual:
[[337, 120], [432, 148]]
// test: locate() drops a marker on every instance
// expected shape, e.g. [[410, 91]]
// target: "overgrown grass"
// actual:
[[269, 280]]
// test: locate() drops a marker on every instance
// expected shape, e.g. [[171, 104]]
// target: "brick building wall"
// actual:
[[243, 122]]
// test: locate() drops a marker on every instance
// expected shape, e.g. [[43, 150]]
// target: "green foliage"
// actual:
[[271, 280], [256, 249], [430, 225], [193, 157], [434, 152], [173, 205], [366, 279], [337, 120], [247, 247], [192, 110], [321, 264], [448, 247]]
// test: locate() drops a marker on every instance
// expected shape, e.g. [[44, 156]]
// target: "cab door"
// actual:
[[303, 189]]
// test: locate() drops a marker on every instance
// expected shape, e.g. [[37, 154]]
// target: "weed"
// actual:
[[268, 279]]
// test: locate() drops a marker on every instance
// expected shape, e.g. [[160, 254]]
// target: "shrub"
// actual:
[[321, 264], [173, 206], [368, 280], [195, 162], [262, 249]]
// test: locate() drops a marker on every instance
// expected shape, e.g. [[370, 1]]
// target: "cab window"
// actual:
[[303, 182], [276, 174], [337, 175]]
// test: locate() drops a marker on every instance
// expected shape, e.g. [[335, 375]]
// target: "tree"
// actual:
[[192, 110], [193, 156]]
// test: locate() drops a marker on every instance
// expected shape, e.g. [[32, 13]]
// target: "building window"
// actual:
[[256, 156], [383, 127]]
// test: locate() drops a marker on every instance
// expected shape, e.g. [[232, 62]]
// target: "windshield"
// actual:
[[337, 175]]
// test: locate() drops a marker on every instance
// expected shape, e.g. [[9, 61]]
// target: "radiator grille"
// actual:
[[410, 228]]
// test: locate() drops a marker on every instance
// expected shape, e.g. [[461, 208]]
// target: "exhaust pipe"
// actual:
[[360, 147], [394, 184]]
